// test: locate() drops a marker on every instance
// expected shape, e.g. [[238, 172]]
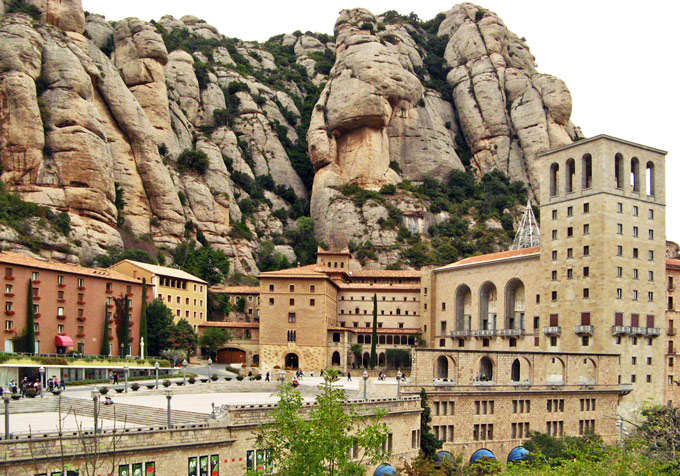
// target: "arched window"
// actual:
[[634, 175], [515, 371], [336, 337], [381, 339], [570, 172], [486, 369], [404, 340], [256, 359], [463, 305], [335, 359], [514, 304], [442, 367], [365, 359], [554, 179], [291, 361], [398, 311], [487, 306], [367, 339], [586, 171], [554, 372], [649, 178], [389, 340], [618, 170], [381, 359], [360, 339]]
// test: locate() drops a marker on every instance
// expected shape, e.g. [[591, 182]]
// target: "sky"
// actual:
[[617, 57]]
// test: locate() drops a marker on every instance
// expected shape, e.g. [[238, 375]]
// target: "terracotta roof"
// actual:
[[381, 330], [321, 251], [20, 259], [236, 289], [672, 263], [503, 255], [311, 270], [250, 325], [384, 273], [164, 271]]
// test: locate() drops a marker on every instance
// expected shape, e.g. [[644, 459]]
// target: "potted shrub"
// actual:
[[204, 380], [239, 377], [258, 377], [179, 384], [104, 390], [192, 380], [56, 392], [227, 378], [31, 392], [214, 378], [151, 386], [135, 386], [119, 390], [16, 396], [167, 383], [253, 365]]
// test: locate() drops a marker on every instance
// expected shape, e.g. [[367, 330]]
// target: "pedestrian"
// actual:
[[321, 373], [62, 384], [266, 377], [111, 377], [349, 376], [115, 378]]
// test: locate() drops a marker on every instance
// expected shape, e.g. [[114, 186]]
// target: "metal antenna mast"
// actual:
[[528, 233]]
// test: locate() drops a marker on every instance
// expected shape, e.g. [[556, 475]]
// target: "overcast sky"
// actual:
[[618, 58]]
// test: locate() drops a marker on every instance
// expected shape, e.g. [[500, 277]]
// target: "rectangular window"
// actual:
[[586, 207], [619, 271], [635, 295], [570, 231], [650, 255], [554, 275], [570, 252], [271, 301], [554, 214], [9, 272], [291, 288], [60, 279], [619, 207], [650, 276], [635, 232], [570, 273], [312, 302], [443, 306], [635, 273], [554, 255], [619, 229], [291, 302], [650, 296], [635, 210], [586, 293], [60, 328], [650, 234], [586, 250], [570, 211], [619, 293], [554, 234], [291, 317], [635, 252], [619, 250], [35, 276], [271, 288], [586, 271], [553, 295], [81, 283], [291, 336], [651, 214], [586, 229]]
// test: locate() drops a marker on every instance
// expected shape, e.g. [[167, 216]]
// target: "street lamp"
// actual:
[[184, 370], [282, 376], [209, 369], [156, 365], [126, 369], [399, 374], [95, 398], [365, 382], [168, 395], [6, 399], [42, 374]]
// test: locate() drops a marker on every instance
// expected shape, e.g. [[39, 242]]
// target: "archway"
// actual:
[[554, 179], [483, 453], [514, 304], [587, 373], [463, 303], [486, 369], [365, 359], [335, 358], [291, 361], [256, 359], [515, 371], [230, 355], [554, 373], [381, 359], [442, 367], [518, 453], [487, 306]]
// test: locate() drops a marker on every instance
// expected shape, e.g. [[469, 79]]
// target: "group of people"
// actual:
[[53, 384], [113, 378]]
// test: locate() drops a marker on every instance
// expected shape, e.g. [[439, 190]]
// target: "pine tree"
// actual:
[[429, 444], [143, 333], [374, 338], [125, 332], [29, 339], [106, 345]]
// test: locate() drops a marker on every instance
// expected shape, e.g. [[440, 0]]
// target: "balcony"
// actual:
[[81, 319], [620, 330], [61, 317], [584, 330], [80, 303], [461, 333], [80, 334], [670, 331], [552, 331], [9, 294], [37, 315], [638, 331], [653, 331], [9, 312], [10, 331], [510, 332], [9, 278], [484, 332]]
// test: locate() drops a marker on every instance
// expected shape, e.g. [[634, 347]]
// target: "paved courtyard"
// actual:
[[49, 422]]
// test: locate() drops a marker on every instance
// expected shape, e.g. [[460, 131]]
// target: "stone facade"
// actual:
[[671, 342]]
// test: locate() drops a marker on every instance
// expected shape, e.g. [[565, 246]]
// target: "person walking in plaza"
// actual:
[[115, 378], [266, 377], [349, 376]]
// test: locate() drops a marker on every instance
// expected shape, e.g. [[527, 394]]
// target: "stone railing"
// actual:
[[510, 332], [552, 331], [621, 330], [584, 330], [653, 331]]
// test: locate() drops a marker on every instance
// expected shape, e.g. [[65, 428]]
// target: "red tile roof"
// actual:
[[20, 259], [503, 255], [385, 273], [673, 263], [251, 325], [236, 289], [379, 286], [381, 330]]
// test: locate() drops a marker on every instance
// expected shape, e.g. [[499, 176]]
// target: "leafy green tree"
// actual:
[[106, 344], [213, 339], [218, 306], [374, 340], [143, 331], [113, 256], [205, 262], [160, 324], [193, 160], [183, 337], [658, 435], [125, 331], [268, 259], [356, 350], [241, 305], [429, 444], [320, 443], [29, 345], [303, 241]]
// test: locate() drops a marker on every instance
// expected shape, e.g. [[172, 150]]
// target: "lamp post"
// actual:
[[42, 375], [95, 398], [155, 366], [184, 370], [398, 383], [209, 369], [126, 369], [282, 376], [6, 399], [168, 395], [365, 382]]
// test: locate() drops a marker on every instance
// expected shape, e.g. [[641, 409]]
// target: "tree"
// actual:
[[29, 340], [356, 350], [184, 338], [241, 305], [143, 332], [429, 444], [213, 339], [205, 262], [160, 325], [106, 344], [374, 340], [125, 331], [658, 435], [322, 442]]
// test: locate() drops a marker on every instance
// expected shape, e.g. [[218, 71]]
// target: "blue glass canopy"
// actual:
[[384, 470], [483, 453], [442, 455], [518, 454]]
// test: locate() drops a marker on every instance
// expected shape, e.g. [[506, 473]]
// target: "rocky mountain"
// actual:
[[168, 131]]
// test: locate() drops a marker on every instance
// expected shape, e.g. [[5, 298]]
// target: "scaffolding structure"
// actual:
[[528, 234]]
